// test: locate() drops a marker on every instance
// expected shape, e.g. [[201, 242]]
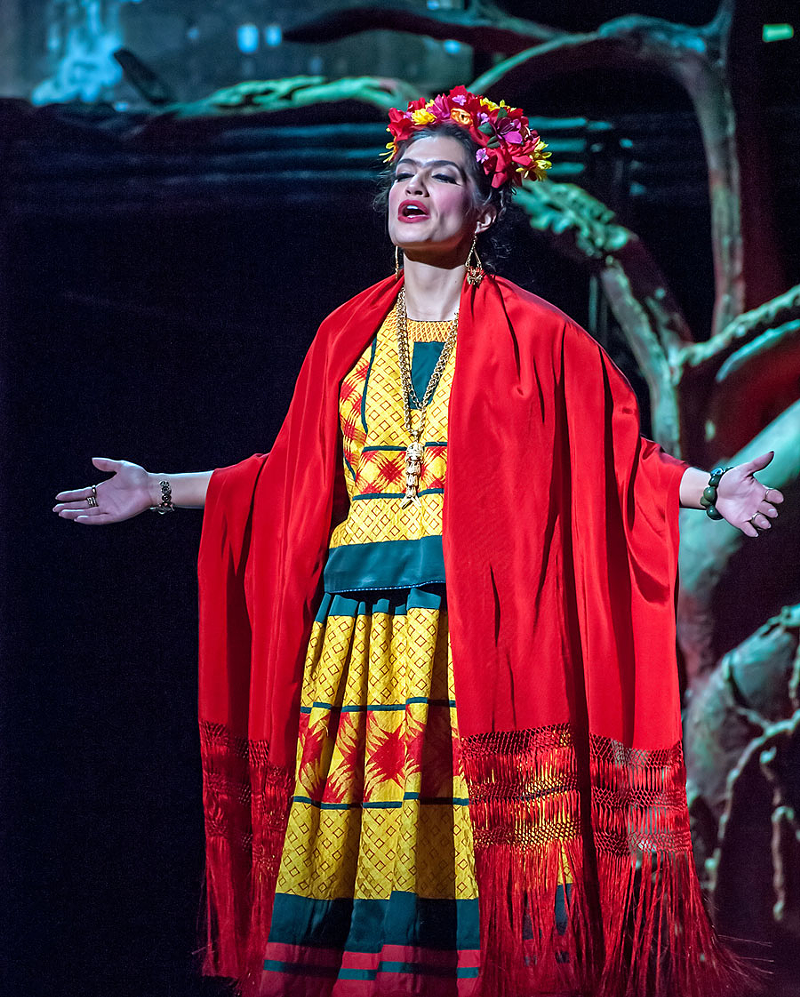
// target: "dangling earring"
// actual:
[[397, 267], [475, 270]]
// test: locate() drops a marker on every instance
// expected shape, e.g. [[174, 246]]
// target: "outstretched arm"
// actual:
[[743, 500], [129, 491]]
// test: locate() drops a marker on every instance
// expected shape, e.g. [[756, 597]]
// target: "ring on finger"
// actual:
[[92, 499], [752, 520]]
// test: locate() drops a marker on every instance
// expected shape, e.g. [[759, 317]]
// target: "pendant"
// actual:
[[414, 452]]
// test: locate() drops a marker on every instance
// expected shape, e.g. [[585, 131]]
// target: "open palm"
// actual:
[[119, 497], [746, 502]]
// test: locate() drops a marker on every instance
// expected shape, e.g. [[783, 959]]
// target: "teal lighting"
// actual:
[[247, 38], [777, 32], [273, 35]]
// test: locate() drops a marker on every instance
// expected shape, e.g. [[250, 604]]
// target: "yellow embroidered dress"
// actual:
[[376, 892]]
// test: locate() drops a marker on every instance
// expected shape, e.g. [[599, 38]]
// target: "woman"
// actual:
[[365, 835]]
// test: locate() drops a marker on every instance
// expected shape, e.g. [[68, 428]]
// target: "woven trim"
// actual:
[[246, 801], [613, 822], [523, 790]]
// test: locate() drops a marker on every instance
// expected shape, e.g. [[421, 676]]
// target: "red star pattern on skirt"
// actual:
[[386, 756]]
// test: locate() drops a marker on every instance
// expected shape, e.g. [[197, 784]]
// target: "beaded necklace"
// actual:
[[416, 448]]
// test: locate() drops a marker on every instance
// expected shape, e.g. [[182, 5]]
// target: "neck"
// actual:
[[432, 292]]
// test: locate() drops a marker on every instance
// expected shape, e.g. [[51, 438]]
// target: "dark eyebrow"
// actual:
[[434, 162]]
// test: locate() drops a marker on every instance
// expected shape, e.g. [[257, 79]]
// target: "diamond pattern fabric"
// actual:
[[379, 831]]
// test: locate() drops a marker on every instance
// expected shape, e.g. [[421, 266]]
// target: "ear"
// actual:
[[485, 218]]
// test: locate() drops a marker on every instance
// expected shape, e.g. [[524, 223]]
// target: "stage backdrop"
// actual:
[[163, 269]]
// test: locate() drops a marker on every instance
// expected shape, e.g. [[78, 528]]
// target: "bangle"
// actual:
[[166, 499], [708, 499]]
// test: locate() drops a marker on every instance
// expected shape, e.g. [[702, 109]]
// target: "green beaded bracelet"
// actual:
[[709, 497]]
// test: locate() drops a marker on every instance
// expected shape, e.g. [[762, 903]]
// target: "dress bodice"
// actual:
[[380, 544]]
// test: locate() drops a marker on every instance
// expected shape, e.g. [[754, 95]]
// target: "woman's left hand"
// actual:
[[744, 501]]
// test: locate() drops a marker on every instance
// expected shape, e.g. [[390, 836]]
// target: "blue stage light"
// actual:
[[247, 38]]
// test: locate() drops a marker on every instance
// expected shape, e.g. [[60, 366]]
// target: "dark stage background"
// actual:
[[161, 276]]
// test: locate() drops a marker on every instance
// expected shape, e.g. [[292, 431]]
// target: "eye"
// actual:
[[400, 176], [447, 177]]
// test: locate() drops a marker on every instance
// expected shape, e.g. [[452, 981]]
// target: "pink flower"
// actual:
[[510, 150]]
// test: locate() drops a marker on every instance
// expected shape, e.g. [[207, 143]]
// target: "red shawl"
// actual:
[[560, 537]]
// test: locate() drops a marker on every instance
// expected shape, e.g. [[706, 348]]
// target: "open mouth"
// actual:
[[411, 211]]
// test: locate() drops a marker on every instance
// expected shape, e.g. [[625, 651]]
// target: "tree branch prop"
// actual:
[[295, 92], [483, 26], [750, 689], [742, 330], [750, 372], [759, 829], [753, 385], [696, 58]]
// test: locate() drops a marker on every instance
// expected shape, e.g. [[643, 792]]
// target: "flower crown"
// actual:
[[510, 149]]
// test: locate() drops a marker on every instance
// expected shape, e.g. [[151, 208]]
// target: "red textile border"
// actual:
[[246, 802], [637, 926]]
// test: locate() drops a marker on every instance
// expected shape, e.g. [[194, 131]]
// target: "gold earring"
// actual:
[[397, 267], [475, 270]]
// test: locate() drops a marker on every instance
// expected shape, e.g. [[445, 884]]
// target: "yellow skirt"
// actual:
[[376, 891]]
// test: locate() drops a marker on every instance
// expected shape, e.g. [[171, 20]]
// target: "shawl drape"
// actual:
[[560, 534]]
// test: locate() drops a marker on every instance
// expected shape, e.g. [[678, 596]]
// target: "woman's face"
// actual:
[[432, 213]]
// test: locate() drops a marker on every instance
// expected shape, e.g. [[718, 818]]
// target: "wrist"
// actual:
[[693, 482], [154, 488], [710, 496]]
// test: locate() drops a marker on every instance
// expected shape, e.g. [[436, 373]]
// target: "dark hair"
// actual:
[[494, 244]]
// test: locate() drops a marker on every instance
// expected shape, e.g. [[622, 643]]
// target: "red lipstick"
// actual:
[[412, 211]]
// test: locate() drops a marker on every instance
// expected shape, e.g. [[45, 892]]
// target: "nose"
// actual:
[[414, 184]]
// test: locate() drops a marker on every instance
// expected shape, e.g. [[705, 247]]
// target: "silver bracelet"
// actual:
[[166, 499]]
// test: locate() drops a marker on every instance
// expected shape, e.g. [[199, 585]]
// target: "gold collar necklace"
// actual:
[[416, 448]]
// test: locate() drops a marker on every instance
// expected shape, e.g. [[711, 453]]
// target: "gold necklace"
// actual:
[[416, 448]]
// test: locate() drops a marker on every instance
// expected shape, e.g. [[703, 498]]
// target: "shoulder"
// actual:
[[371, 298], [528, 302], [529, 313]]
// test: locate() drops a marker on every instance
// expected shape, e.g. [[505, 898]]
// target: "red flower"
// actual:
[[510, 151]]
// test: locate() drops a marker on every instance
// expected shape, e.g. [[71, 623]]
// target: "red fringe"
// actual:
[[636, 924], [246, 803]]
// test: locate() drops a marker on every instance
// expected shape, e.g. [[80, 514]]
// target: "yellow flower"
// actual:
[[391, 149], [485, 102], [422, 117], [461, 117]]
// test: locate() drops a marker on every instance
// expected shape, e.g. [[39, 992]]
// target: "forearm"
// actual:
[[693, 482], [188, 489]]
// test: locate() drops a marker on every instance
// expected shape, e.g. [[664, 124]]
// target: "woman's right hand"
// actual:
[[120, 497]]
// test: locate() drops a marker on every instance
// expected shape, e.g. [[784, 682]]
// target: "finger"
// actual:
[[94, 518], [106, 463], [76, 495], [757, 463], [768, 510], [775, 497], [80, 505], [73, 511], [761, 522], [749, 530]]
